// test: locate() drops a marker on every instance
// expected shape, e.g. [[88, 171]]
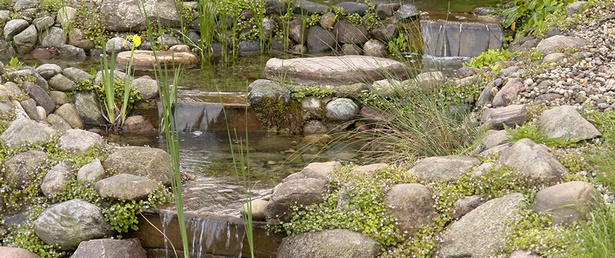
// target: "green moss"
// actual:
[[280, 117]]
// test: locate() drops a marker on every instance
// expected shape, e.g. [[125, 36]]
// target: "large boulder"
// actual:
[[55, 179], [26, 131], [534, 160], [412, 205], [91, 172], [88, 108], [565, 122], [559, 42], [341, 109], [127, 15], [320, 40], [481, 232], [41, 96], [336, 243], [298, 192], [261, 88], [567, 202], [141, 161], [67, 224], [78, 140], [14, 252], [442, 169], [110, 248], [125, 187], [22, 166], [510, 116], [508, 93]]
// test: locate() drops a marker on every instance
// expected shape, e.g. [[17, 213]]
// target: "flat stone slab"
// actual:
[[145, 59], [334, 70]]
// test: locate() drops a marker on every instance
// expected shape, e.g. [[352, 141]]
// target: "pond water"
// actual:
[[441, 6]]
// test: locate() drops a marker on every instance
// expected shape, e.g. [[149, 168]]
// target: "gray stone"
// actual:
[[87, 107], [117, 75], [508, 93], [116, 45], [567, 202], [14, 27], [15, 252], [374, 47], [55, 179], [351, 49], [91, 173], [482, 232], [320, 170], [257, 207], [268, 26], [249, 47], [25, 75], [407, 12], [67, 224], [485, 96], [336, 243], [309, 8], [327, 20], [341, 109], [386, 10], [298, 192], [265, 88], [353, 7], [66, 16], [53, 37], [138, 124], [334, 70], [533, 160], [320, 40], [21, 5], [125, 187], [61, 83], [494, 138], [559, 43], [6, 49], [58, 123], [556, 58], [42, 114], [346, 32], [48, 70], [29, 105], [168, 40], [40, 95], [69, 113], [467, 204], [22, 166], [574, 8], [59, 98], [76, 74], [43, 23], [314, 127], [78, 140], [72, 53], [566, 123], [444, 168], [141, 161], [26, 131], [384, 32], [297, 31], [147, 87], [110, 248], [127, 15], [510, 116], [26, 40], [412, 206], [508, 71]]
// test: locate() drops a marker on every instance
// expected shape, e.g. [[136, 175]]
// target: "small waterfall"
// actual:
[[216, 236], [165, 219]]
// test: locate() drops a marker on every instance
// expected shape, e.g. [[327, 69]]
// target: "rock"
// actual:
[[147, 87], [26, 40], [45, 53], [6, 49], [117, 75], [268, 25], [374, 47], [23, 166], [58, 123], [482, 232], [56, 179], [574, 8], [67, 224], [327, 20], [508, 93], [140, 161], [127, 16], [341, 109], [412, 206], [77, 140], [346, 32], [297, 31], [556, 58], [320, 170], [494, 138], [61, 83], [506, 72], [26, 131], [116, 45], [258, 208], [14, 252], [407, 12], [309, 8], [467, 204], [559, 42], [14, 27], [91, 173], [29, 105], [168, 40], [48, 70], [352, 7], [26, 75], [76, 74], [125, 187], [52, 37], [298, 192], [138, 124], [567, 202], [261, 88], [445, 168], [144, 59], [180, 48], [66, 17], [385, 10], [522, 254], [337, 243], [566, 123], [72, 53], [249, 48], [41, 96], [69, 114], [87, 107], [333, 70], [384, 32], [510, 116], [351, 49], [320, 40], [110, 248], [459, 39], [485, 96], [524, 44], [314, 127], [534, 160]]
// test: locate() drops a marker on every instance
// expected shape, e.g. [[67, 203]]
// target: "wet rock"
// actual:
[[14, 252], [23, 165], [147, 87], [411, 205], [341, 109], [14, 27], [127, 16], [465, 205], [26, 40], [510, 116], [309, 8], [374, 47], [61, 83], [76, 74], [87, 107], [145, 60], [559, 42], [534, 160], [299, 192], [346, 32], [125, 187], [444, 168], [67, 224], [339, 243], [508, 93], [567, 202], [407, 12], [52, 37], [26, 131], [141, 161], [327, 20], [55, 179], [482, 232], [77, 140], [320, 40], [47, 71], [91, 172], [249, 48], [353, 7], [566, 123], [314, 127], [117, 248], [261, 88], [72, 53], [257, 207], [138, 124]]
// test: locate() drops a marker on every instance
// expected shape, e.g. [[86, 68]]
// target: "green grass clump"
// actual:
[[489, 58], [595, 237], [534, 17]]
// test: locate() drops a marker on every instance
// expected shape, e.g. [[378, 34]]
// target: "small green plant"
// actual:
[[533, 132], [122, 215], [318, 91], [533, 17], [490, 57], [13, 63], [595, 237], [52, 6]]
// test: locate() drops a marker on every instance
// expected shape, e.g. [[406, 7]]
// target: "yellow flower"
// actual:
[[136, 40]]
